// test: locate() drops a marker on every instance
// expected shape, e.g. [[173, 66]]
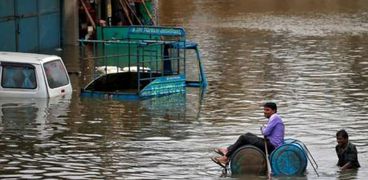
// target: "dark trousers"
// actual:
[[249, 139]]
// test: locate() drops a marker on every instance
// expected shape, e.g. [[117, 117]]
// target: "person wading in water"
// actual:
[[346, 152]]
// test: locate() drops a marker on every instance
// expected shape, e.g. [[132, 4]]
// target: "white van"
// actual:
[[27, 75]]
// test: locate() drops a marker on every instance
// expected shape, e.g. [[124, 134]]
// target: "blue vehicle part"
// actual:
[[164, 85], [193, 46], [158, 55]]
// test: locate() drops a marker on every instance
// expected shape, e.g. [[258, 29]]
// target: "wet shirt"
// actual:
[[347, 154], [274, 130]]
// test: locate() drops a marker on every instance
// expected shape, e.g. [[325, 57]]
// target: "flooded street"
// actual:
[[308, 56]]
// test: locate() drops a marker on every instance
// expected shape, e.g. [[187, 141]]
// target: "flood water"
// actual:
[[308, 56]]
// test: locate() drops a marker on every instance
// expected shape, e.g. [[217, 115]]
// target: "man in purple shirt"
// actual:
[[273, 132]]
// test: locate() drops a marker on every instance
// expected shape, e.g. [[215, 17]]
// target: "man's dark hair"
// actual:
[[342, 133], [271, 105]]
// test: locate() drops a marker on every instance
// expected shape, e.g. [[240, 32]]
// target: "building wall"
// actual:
[[30, 26]]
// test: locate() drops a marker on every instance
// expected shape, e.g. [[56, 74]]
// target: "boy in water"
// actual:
[[346, 152]]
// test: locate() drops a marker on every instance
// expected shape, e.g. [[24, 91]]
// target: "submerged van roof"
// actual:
[[26, 57]]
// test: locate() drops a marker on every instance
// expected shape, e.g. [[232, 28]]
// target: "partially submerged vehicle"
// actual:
[[137, 62], [27, 75]]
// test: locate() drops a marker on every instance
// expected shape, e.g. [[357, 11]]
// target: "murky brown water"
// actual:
[[309, 56]]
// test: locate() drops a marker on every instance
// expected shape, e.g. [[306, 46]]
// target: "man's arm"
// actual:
[[346, 166]]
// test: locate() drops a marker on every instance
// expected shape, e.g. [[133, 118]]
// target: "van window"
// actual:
[[56, 74], [18, 75]]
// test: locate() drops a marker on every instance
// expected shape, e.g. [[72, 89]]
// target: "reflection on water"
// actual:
[[28, 127], [309, 56], [35, 119]]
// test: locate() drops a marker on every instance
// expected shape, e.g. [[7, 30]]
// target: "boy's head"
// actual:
[[342, 137], [269, 109]]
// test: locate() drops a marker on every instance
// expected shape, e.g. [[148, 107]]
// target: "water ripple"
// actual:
[[310, 59]]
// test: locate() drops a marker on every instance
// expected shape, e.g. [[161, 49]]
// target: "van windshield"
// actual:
[[56, 74]]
